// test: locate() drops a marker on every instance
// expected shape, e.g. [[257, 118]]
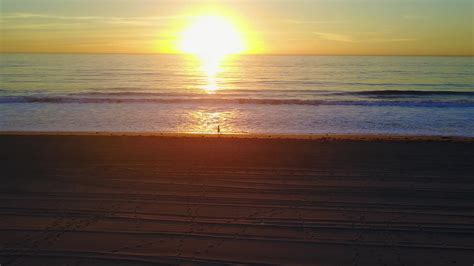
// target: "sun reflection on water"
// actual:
[[206, 121], [211, 66], [211, 86]]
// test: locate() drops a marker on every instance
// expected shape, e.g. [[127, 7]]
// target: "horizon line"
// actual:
[[244, 54]]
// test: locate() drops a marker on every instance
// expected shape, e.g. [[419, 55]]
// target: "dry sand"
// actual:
[[87, 199]]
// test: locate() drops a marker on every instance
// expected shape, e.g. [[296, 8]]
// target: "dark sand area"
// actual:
[[144, 200]]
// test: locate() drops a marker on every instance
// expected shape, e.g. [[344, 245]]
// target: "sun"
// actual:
[[211, 38]]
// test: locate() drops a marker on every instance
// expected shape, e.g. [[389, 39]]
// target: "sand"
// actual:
[[145, 199]]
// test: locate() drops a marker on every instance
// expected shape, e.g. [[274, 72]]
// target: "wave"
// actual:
[[132, 94], [257, 101], [413, 92], [351, 84], [137, 92], [316, 92]]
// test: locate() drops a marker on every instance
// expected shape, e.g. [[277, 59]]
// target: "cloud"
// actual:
[[394, 40], [296, 21], [32, 15], [111, 20], [351, 39], [334, 37], [41, 26]]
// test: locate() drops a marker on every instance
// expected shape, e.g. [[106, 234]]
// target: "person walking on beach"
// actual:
[[218, 129]]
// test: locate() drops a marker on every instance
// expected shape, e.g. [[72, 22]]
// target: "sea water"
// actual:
[[241, 94]]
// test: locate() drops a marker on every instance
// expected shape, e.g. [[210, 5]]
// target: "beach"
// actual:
[[145, 199]]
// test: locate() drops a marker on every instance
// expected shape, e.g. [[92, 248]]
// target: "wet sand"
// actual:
[[142, 199]]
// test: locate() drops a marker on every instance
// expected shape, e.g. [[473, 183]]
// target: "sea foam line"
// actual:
[[213, 100]]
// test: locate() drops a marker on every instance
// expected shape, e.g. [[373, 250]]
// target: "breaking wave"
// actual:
[[212, 100]]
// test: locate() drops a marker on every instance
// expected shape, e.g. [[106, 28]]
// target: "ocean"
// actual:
[[243, 94]]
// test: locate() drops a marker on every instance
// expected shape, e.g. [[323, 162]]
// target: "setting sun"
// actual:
[[211, 37]]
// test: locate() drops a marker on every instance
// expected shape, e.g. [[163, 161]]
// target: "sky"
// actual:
[[322, 27]]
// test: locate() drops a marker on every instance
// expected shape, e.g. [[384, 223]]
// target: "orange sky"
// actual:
[[342, 27]]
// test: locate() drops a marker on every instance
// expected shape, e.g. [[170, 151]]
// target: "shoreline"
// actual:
[[314, 137]]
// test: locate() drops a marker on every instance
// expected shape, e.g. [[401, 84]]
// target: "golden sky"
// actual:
[[327, 27]]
